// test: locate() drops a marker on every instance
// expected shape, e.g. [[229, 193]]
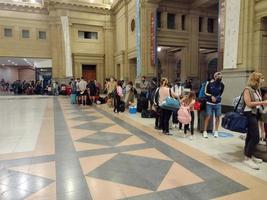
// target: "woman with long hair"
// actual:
[[253, 103], [164, 92]]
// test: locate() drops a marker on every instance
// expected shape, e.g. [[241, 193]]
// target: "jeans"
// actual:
[[165, 117], [253, 137]]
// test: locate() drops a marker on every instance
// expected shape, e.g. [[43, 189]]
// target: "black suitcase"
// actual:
[[142, 104], [121, 107]]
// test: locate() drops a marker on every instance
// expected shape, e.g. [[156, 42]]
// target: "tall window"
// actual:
[[210, 25], [183, 22], [8, 32], [159, 19], [200, 26], [171, 21], [25, 34], [88, 35]]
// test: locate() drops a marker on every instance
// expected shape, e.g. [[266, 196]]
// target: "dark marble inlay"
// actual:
[[137, 171], [103, 138]]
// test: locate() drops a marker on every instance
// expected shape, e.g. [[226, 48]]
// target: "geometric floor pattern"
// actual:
[[104, 156], [18, 185], [103, 138]]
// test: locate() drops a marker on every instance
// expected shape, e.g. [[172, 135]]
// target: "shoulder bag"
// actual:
[[235, 121]]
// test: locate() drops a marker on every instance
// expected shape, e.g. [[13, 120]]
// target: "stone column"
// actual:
[[164, 20], [193, 46], [231, 33], [205, 25], [147, 10], [57, 51], [178, 22], [67, 45], [109, 52]]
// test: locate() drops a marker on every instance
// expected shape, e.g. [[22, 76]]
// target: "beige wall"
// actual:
[[26, 74], [9, 74], [16, 46]]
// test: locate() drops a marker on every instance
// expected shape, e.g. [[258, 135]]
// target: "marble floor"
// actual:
[[50, 149]]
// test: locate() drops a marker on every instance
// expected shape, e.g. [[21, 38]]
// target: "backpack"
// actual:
[[202, 90], [184, 115], [155, 97]]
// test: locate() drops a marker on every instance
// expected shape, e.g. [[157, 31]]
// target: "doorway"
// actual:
[[89, 72]]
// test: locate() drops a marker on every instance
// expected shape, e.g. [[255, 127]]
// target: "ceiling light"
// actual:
[[25, 59], [159, 49], [9, 61]]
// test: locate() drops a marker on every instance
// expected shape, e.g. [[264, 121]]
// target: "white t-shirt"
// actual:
[[82, 85]]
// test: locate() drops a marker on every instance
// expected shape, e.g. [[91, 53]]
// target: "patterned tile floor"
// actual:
[[85, 153]]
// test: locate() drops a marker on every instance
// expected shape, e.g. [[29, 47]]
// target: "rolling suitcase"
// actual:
[[73, 98], [142, 104]]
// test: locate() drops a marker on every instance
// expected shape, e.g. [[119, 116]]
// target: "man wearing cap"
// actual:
[[213, 92]]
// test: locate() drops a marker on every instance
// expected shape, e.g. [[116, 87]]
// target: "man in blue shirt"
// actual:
[[213, 92]]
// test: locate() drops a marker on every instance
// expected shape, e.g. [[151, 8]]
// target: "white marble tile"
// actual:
[[20, 120]]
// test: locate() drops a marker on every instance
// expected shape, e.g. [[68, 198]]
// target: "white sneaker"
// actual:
[[191, 137], [251, 164], [205, 134], [184, 136], [173, 126], [216, 135], [257, 160], [262, 142]]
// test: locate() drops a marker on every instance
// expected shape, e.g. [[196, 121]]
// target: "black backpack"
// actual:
[[155, 97]]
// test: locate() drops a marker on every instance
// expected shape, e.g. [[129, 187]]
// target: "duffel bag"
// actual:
[[170, 103], [234, 121]]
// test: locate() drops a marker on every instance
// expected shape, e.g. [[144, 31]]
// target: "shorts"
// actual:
[[213, 108], [83, 93]]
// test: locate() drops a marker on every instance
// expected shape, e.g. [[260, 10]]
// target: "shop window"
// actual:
[[171, 21], [8, 32], [42, 35], [159, 19], [183, 22], [88, 35], [200, 24], [25, 34], [210, 25]]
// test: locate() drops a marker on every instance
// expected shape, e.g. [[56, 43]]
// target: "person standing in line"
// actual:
[[213, 91], [164, 92], [189, 102], [118, 97], [253, 103], [144, 87], [129, 97], [78, 94], [177, 89], [83, 92]]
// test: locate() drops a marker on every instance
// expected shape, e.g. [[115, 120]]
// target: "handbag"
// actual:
[[170, 103], [235, 121], [197, 106]]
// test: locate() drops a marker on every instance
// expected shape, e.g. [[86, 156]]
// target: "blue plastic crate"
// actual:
[[132, 110]]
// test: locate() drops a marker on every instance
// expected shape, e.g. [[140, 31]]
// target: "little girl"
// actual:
[[188, 102]]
